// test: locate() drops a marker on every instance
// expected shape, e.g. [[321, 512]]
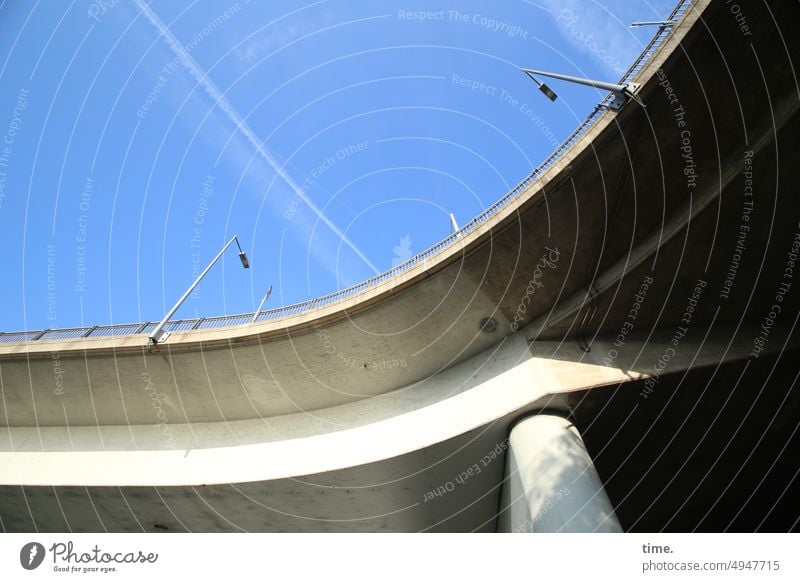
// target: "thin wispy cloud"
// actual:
[[258, 46], [599, 31], [193, 68]]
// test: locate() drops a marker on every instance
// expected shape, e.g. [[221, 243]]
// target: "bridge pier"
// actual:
[[551, 484]]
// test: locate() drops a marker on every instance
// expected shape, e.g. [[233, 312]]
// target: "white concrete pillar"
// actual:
[[551, 483]]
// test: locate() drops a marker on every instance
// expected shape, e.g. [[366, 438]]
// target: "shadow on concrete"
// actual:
[[710, 451]]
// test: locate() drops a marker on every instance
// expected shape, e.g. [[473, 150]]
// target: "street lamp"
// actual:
[[454, 226], [159, 335], [660, 23], [260, 305], [622, 93]]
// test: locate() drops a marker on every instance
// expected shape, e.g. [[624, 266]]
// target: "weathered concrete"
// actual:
[[399, 462]]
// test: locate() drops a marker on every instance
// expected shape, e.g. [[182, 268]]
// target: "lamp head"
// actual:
[[548, 92], [542, 87], [243, 258]]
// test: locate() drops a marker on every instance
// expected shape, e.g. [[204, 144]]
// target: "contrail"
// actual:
[[222, 102]]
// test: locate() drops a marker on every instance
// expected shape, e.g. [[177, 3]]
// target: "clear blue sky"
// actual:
[[334, 137]]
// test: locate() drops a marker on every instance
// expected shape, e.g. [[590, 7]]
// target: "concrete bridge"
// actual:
[[612, 349]]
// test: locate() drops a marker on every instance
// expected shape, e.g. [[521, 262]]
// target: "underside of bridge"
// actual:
[[644, 288], [711, 451]]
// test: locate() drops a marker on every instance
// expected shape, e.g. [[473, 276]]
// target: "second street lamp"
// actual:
[[659, 23], [260, 305]]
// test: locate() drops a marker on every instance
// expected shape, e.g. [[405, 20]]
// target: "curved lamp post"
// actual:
[[159, 335], [260, 305], [622, 93]]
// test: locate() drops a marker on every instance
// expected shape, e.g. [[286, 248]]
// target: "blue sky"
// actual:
[[334, 137]]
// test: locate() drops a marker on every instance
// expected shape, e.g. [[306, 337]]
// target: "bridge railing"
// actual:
[[278, 312]]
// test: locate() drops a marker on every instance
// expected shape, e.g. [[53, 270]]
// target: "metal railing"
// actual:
[[270, 314]]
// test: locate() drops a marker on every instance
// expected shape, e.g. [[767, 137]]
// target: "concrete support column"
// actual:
[[551, 483]]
